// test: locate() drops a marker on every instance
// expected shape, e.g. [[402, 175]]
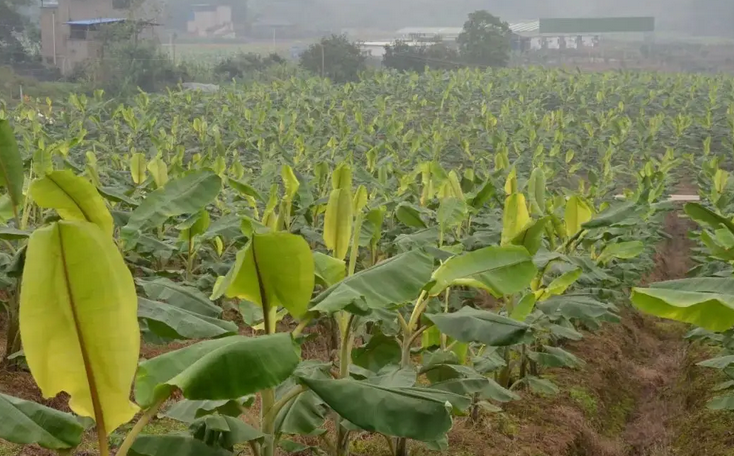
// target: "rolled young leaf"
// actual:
[[159, 170], [11, 164], [338, 218], [338, 222], [78, 320], [577, 213], [26, 422], [515, 217], [137, 168], [536, 190], [73, 197]]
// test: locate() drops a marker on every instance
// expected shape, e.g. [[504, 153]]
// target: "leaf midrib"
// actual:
[[94, 393]]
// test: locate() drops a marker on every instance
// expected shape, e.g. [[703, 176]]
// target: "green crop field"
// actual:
[[382, 267], [212, 53]]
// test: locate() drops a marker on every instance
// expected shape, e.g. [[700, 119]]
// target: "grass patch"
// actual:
[[156, 427], [700, 430], [585, 400], [10, 84], [9, 449], [617, 415]]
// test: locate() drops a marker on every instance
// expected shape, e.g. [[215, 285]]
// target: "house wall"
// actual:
[[70, 52], [206, 21], [224, 14]]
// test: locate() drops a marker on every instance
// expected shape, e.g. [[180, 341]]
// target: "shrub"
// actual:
[[242, 64], [408, 57], [336, 58]]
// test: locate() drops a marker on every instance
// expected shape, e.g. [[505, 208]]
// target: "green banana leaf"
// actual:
[[612, 216], [181, 296], [185, 195], [25, 422], [173, 445], [473, 325], [410, 216], [172, 322], [390, 283], [328, 270], [224, 431], [414, 413], [499, 270], [241, 365], [622, 250], [706, 216], [531, 236], [189, 411], [704, 302], [303, 415]]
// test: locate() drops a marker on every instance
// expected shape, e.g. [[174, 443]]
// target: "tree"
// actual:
[[129, 62], [13, 28], [407, 57], [336, 58], [485, 40]]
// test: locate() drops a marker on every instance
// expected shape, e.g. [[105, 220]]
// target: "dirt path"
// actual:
[[650, 430], [631, 398]]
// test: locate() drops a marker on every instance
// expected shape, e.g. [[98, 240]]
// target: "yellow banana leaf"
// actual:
[[137, 168], [78, 320], [73, 197], [159, 170]]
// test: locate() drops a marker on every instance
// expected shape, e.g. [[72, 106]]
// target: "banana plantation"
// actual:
[[301, 267]]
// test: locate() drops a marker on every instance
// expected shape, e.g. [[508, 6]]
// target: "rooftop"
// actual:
[[516, 27], [525, 27], [444, 31], [98, 21], [106, 20]]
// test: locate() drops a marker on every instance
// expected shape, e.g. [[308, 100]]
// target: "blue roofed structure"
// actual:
[[98, 21]]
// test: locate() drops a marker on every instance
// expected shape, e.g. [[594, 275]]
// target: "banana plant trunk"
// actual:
[[12, 337], [402, 447]]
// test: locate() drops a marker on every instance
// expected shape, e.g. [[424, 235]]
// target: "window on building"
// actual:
[[121, 4], [78, 33]]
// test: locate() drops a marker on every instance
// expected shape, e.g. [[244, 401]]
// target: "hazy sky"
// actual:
[[702, 16]]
